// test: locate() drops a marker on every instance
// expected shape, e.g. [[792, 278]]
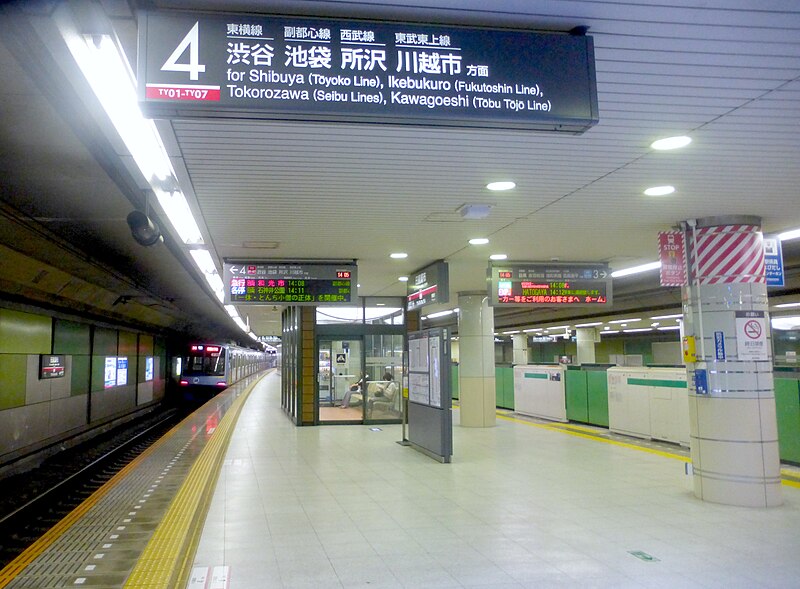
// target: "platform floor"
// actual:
[[521, 505]]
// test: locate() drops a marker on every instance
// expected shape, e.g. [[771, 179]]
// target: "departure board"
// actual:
[[542, 284], [289, 283]]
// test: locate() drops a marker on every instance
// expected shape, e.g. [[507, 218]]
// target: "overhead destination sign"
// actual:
[[280, 67], [549, 285], [289, 283], [428, 286]]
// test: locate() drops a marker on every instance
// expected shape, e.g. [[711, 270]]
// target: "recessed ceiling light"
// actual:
[[659, 190], [398, 255], [671, 143], [498, 257], [478, 241], [402, 278], [498, 186], [787, 305]]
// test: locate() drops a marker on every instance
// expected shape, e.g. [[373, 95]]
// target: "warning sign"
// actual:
[[751, 335]]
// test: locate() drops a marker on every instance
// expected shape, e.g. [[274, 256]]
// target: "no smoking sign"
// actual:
[[751, 335]]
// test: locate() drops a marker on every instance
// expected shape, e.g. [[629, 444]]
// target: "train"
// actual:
[[211, 367]]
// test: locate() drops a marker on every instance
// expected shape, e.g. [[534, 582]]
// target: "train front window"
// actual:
[[209, 363]]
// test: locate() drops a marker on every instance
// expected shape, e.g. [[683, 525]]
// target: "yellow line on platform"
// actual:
[[166, 561], [575, 430]]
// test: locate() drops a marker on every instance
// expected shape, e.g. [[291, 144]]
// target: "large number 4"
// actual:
[[192, 41]]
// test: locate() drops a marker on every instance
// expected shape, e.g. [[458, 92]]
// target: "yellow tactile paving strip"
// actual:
[[16, 566], [167, 559]]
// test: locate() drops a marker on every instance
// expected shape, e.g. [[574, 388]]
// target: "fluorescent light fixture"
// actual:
[[595, 324], [204, 261], [636, 269], [608, 332], [498, 257], [511, 332], [787, 235], [253, 335], [656, 324], [671, 143], [241, 324], [786, 323], [402, 278], [113, 82], [231, 310], [398, 255], [440, 314], [500, 186], [639, 330], [787, 305], [535, 329], [626, 320], [669, 327], [674, 316], [110, 76], [478, 241], [180, 215], [659, 190], [557, 327]]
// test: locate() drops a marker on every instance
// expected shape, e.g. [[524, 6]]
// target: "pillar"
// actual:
[[476, 360], [733, 427], [586, 337], [520, 348]]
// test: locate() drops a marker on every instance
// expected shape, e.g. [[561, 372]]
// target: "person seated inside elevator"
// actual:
[[353, 389]]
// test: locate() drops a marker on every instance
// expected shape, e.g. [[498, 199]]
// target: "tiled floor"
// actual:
[[519, 506]]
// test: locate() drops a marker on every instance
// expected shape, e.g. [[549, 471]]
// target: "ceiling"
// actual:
[[727, 73]]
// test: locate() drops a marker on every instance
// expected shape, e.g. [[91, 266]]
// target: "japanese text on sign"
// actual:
[[331, 69]]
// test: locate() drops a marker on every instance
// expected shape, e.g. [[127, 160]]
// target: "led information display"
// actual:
[[289, 283], [545, 284], [255, 66], [428, 286]]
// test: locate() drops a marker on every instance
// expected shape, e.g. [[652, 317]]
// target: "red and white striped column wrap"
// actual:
[[727, 254]]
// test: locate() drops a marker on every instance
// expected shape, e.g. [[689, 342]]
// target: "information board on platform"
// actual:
[[285, 67], [543, 284], [289, 283]]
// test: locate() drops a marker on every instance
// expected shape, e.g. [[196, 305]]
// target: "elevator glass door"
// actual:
[[340, 391]]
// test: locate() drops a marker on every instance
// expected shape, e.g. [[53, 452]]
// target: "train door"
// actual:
[[340, 380]]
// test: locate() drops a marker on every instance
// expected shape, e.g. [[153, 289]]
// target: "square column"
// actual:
[[476, 360]]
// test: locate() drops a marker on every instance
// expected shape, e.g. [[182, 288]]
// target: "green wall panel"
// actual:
[[577, 401], [25, 333], [71, 338], [13, 369], [498, 387], [454, 379], [105, 342], [504, 386], [508, 377], [787, 405], [597, 396], [79, 382]]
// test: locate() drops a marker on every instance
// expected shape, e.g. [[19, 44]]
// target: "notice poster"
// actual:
[[672, 253], [110, 372], [751, 335], [122, 371], [148, 368], [434, 344]]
